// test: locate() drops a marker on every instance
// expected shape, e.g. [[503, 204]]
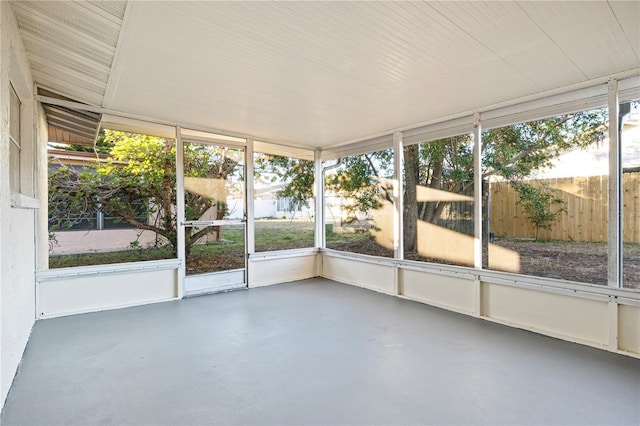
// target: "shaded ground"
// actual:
[[573, 261]]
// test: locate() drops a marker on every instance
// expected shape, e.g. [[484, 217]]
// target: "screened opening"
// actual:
[[630, 150], [214, 199], [284, 208], [547, 197], [438, 201], [112, 203], [359, 204]]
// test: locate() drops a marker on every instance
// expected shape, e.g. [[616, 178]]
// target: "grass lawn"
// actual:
[[228, 253], [575, 261]]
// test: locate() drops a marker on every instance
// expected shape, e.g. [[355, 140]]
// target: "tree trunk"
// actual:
[[486, 222], [412, 170], [434, 208]]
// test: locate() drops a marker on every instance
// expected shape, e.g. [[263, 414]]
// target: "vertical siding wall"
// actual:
[[17, 220], [591, 318], [585, 199]]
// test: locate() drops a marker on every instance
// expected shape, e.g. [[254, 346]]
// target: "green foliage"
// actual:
[[538, 202], [53, 241], [296, 172], [514, 152], [363, 180], [85, 259], [140, 175]]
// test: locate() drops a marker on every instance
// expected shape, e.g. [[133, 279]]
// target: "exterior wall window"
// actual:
[[359, 204], [15, 150], [288, 204]]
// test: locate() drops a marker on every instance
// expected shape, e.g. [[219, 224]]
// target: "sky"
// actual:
[[594, 161]]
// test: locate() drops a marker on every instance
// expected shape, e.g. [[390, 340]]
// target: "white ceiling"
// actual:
[[71, 45], [321, 74]]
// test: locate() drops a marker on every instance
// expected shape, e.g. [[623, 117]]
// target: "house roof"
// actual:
[[320, 74]]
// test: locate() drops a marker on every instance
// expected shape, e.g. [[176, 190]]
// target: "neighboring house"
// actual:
[[594, 161]]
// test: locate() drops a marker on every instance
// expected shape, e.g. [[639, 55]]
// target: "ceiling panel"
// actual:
[[513, 37], [628, 15], [70, 45], [317, 73], [75, 17], [114, 8], [320, 74], [588, 32]]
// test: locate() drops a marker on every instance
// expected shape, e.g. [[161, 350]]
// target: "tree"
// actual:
[[297, 173], [513, 153], [362, 179], [446, 165], [141, 172], [141, 175], [537, 202]]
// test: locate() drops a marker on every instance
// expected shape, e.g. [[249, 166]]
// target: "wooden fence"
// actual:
[[585, 202]]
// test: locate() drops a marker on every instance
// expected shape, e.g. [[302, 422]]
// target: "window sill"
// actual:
[[20, 201]]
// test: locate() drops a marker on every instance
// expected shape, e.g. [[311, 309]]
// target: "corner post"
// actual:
[[249, 200], [180, 211], [477, 192], [614, 277], [398, 192], [319, 237]]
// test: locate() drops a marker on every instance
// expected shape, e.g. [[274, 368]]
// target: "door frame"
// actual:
[[200, 284]]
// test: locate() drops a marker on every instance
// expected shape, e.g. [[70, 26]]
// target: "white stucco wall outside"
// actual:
[[17, 221], [4, 178]]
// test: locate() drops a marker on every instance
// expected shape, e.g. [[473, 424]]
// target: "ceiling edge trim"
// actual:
[[144, 119], [114, 72]]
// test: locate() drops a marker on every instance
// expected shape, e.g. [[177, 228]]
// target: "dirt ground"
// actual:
[[198, 264], [574, 261]]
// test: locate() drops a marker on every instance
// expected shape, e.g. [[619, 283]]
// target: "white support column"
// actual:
[[42, 190], [477, 297], [613, 324], [250, 210], [319, 200], [477, 192], [180, 210], [398, 196], [614, 278]]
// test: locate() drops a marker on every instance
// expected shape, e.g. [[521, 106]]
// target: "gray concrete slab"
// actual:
[[311, 352]]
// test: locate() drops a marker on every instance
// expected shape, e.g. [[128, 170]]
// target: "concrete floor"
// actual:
[[311, 352]]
